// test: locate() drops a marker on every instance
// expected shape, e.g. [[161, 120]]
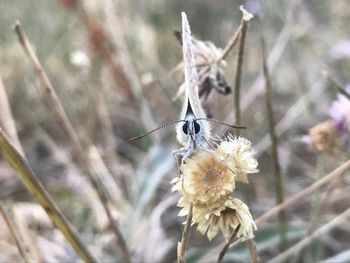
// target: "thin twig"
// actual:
[[29, 179], [335, 83], [303, 193], [244, 24], [228, 244], [340, 219], [274, 147], [231, 44], [72, 135], [181, 246], [11, 226]]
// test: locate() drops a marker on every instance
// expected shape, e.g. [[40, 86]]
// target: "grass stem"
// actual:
[[295, 249], [11, 226], [279, 191], [72, 135], [29, 179]]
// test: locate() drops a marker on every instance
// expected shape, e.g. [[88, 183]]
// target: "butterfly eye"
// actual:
[[197, 127], [185, 128]]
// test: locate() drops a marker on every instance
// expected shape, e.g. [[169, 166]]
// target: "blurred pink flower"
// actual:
[[340, 112], [341, 49]]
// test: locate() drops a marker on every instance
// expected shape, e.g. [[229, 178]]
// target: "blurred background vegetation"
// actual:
[[110, 68]]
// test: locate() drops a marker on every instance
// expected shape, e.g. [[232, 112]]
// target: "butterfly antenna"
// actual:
[[156, 129], [235, 126]]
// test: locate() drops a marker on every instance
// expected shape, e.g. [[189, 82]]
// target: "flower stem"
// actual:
[[274, 143], [228, 244], [181, 246], [244, 24], [252, 251]]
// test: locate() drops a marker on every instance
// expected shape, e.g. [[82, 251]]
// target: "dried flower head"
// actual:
[[205, 178], [207, 181], [224, 215], [324, 137], [210, 70], [238, 156]]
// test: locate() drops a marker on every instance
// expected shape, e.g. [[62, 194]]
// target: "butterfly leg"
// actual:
[[178, 155]]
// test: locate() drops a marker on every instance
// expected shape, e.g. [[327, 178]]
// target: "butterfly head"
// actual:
[[192, 131]]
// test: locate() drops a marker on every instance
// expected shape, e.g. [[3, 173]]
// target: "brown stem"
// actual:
[[181, 246], [246, 16], [231, 44], [228, 244], [252, 251]]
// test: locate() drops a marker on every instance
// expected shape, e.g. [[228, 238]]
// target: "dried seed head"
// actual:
[[324, 137], [205, 178], [210, 70]]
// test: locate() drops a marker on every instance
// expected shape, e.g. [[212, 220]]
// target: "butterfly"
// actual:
[[195, 131], [193, 128]]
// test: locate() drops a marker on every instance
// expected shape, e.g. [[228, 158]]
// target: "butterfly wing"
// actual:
[[192, 108], [191, 97]]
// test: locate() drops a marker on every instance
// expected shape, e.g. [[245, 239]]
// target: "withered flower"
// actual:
[[210, 69], [224, 215], [324, 137], [205, 178], [207, 182]]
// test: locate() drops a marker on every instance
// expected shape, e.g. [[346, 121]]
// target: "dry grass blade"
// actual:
[[6, 119], [21, 247], [274, 143], [228, 244], [338, 86], [118, 40], [181, 246], [72, 135], [302, 194], [28, 178], [340, 219]]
